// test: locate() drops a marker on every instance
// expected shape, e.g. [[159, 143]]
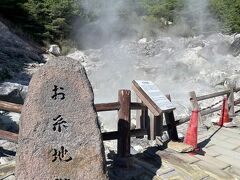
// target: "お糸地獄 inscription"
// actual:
[[61, 155], [59, 123], [59, 134], [56, 94]]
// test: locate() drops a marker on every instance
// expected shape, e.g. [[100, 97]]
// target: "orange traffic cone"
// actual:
[[224, 113], [191, 136]]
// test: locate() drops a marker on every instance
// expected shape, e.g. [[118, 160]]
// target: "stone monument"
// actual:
[[59, 136]]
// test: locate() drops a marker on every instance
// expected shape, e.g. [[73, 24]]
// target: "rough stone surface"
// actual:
[[180, 147], [15, 54], [55, 50], [13, 92], [78, 55], [40, 153], [235, 47]]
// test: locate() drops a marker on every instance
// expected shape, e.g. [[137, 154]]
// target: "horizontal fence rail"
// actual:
[[6, 135], [144, 126], [12, 107], [221, 93]]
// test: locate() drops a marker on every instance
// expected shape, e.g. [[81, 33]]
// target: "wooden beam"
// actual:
[[221, 93], [231, 101], [171, 124], [138, 132], [12, 107], [152, 127], [110, 135], [124, 121], [114, 134], [6, 135], [145, 122], [138, 106], [107, 106], [13, 137], [138, 115], [195, 106], [159, 125]]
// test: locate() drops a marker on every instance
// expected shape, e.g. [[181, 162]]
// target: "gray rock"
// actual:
[[206, 53], [13, 92], [142, 41], [235, 47], [9, 121], [78, 55], [15, 53], [59, 134], [55, 50]]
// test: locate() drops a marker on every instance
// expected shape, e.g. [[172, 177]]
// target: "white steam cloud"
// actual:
[[175, 64], [195, 18], [114, 20]]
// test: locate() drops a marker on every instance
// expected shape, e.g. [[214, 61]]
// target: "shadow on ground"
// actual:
[[206, 141], [129, 168], [6, 153], [7, 123]]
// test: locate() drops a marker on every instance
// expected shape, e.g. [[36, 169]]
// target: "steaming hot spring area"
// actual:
[[177, 65]]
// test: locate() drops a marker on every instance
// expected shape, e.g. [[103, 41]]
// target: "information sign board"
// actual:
[[152, 97]]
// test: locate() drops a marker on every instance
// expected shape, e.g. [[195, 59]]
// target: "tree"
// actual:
[[56, 16], [228, 12]]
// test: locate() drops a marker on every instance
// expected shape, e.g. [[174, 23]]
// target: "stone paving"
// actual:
[[219, 159]]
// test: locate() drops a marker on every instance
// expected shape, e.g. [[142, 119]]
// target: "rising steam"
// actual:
[[198, 61], [195, 19], [115, 20]]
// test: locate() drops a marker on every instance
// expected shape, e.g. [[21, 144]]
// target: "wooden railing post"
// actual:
[[141, 118], [231, 100], [152, 127], [124, 115], [159, 125], [138, 116], [144, 117], [195, 105], [171, 124], [155, 126]]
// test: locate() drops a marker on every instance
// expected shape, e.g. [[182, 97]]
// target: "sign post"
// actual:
[[158, 104]]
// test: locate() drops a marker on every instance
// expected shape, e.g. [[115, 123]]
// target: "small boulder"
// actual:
[[78, 55], [235, 47], [55, 50], [142, 41], [180, 147], [13, 92]]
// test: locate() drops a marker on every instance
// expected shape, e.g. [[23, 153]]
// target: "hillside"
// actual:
[[15, 55], [72, 22]]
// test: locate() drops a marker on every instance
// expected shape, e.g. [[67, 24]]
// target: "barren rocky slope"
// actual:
[[15, 55]]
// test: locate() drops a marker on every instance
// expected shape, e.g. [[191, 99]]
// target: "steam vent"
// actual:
[[119, 90]]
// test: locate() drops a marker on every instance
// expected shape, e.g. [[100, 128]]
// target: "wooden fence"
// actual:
[[145, 126], [217, 106]]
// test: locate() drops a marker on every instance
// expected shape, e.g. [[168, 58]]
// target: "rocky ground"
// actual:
[[176, 65], [16, 55]]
